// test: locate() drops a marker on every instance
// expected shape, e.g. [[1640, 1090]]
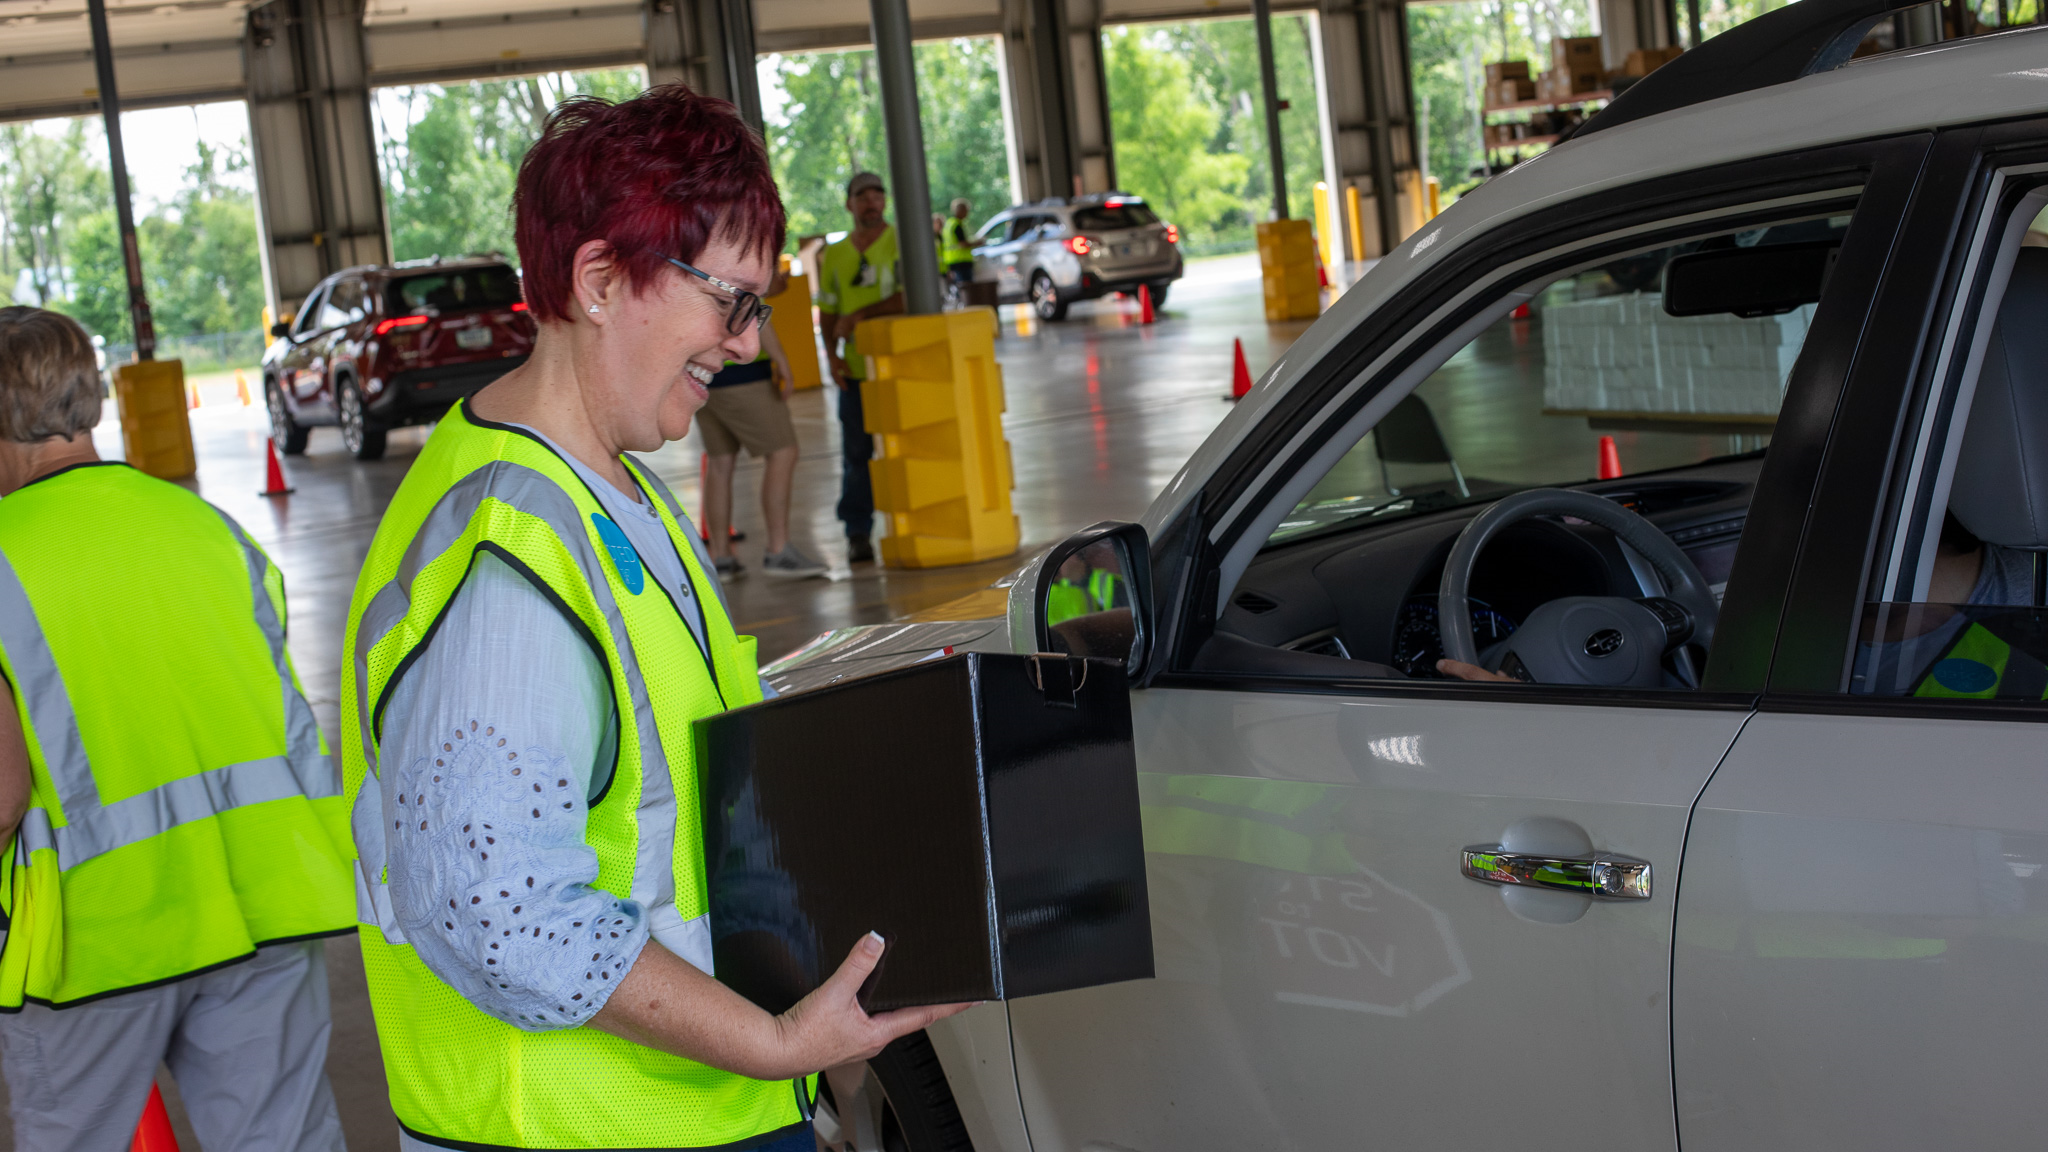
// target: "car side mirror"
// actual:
[[1748, 282], [282, 328], [1094, 595]]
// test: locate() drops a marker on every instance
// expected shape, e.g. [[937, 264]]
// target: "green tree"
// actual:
[[830, 126], [51, 180], [1167, 140], [452, 158]]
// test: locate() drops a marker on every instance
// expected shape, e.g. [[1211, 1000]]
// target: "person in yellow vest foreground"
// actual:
[[532, 635], [177, 836]]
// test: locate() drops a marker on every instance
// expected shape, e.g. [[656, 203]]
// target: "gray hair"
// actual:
[[49, 377]]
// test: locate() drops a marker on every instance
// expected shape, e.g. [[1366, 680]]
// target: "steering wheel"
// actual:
[[1603, 640]]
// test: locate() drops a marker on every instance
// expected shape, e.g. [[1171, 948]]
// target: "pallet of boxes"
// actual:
[[1507, 85], [1576, 70], [1640, 63]]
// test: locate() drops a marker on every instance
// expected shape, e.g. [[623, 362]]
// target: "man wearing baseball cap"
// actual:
[[857, 280]]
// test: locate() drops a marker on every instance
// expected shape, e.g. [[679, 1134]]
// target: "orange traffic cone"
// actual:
[[1145, 313], [191, 395], [242, 388], [273, 478], [1240, 373], [153, 1133], [1610, 459]]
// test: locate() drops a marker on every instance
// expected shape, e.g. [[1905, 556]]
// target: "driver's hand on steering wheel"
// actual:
[[1459, 670]]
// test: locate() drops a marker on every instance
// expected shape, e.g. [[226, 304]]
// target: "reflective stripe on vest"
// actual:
[[182, 793]]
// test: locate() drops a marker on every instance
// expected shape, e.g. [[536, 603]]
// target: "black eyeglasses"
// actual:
[[747, 308]]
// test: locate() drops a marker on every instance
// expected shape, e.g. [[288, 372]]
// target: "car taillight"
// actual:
[[1079, 245], [1172, 234], [519, 306], [384, 326]]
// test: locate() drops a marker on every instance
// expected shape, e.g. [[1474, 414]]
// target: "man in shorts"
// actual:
[[749, 408]]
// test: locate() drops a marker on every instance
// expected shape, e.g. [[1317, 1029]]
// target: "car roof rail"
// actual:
[[1777, 47]]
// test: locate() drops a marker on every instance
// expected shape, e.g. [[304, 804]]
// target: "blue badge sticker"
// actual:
[[624, 558], [1959, 675]]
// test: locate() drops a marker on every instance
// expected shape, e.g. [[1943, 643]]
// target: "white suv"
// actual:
[[1748, 848], [1059, 250]]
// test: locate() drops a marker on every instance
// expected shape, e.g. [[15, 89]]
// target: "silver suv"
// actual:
[[1057, 251]]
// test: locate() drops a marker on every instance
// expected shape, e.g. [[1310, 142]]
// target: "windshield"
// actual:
[[454, 289], [1590, 379], [1110, 217]]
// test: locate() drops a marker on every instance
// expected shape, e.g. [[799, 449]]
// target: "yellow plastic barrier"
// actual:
[[934, 394], [155, 431], [1287, 265], [795, 327], [1357, 209], [1326, 225]]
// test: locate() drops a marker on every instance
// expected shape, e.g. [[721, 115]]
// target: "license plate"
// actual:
[[473, 338], [1125, 249]]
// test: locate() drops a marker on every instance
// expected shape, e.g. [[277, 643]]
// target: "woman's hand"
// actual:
[[666, 1004], [829, 1028]]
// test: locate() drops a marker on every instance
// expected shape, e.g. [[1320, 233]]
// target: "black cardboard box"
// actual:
[[979, 811]]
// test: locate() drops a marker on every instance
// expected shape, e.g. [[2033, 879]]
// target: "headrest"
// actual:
[[2000, 491]]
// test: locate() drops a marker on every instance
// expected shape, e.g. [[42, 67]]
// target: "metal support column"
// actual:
[[314, 149], [917, 251], [1269, 86], [124, 210]]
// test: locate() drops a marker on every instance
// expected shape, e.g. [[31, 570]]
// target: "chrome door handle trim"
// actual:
[[1603, 874]]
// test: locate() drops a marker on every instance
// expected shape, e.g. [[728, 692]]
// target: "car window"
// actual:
[[995, 231], [1967, 616], [1113, 216], [346, 301], [454, 289], [1592, 377], [309, 312], [334, 307], [1024, 227]]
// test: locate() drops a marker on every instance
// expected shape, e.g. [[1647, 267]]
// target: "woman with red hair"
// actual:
[[532, 635]]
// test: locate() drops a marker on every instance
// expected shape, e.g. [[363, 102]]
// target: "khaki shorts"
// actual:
[[751, 416]]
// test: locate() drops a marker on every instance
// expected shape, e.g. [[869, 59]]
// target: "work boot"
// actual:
[[860, 550], [790, 564], [729, 568]]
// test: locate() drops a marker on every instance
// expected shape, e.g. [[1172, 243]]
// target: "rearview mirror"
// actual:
[[1748, 282], [1094, 594]]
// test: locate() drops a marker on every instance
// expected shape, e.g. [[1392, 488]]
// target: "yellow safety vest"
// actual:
[[953, 242], [184, 810], [1978, 665], [459, 1076]]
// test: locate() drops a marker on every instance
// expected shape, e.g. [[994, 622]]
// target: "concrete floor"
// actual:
[[1102, 411]]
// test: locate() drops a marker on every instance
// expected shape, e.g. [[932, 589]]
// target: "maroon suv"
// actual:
[[375, 348]]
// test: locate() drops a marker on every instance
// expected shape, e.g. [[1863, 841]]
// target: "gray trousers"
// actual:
[[246, 1043]]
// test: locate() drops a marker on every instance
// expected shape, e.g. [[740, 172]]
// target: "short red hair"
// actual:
[[662, 174]]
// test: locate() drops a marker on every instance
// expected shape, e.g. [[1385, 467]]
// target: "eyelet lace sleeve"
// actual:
[[492, 739]]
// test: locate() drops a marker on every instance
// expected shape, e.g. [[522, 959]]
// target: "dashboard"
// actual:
[[1368, 593]]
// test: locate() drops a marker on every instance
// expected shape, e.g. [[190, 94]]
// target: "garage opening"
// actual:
[[823, 112], [450, 154], [1189, 126]]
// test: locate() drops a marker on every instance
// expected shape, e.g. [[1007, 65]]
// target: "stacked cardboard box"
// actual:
[[1622, 354], [1506, 70], [1643, 61], [1507, 82], [1577, 61]]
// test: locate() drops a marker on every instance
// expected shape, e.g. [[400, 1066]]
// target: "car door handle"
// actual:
[[1602, 874]]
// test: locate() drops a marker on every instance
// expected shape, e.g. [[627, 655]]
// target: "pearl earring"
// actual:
[[593, 308]]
